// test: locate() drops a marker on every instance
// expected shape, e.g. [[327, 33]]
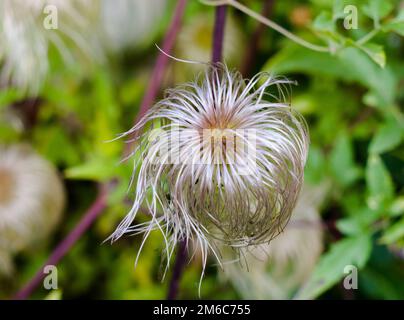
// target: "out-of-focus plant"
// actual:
[[30, 30], [32, 198], [128, 24]]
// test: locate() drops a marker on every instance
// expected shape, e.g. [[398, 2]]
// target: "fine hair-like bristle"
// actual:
[[192, 170]]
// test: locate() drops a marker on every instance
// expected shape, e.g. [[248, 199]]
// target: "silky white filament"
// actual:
[[222, 159]]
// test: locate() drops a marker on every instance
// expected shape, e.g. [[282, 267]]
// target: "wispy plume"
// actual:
[[222, 158]]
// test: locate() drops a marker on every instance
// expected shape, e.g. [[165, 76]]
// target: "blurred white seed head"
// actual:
[[277, 269], [222, 158], [31, 199], [125, 24], [25, 42]]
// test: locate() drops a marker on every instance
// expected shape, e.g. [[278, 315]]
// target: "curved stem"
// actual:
[[252, 48], [60, 251], [159, 68], [368, 37], [218, 34], [179, 266], [268, 23]]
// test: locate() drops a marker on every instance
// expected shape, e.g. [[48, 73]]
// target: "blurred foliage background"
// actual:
[[351, 98]]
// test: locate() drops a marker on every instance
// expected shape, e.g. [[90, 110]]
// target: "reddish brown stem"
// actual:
[[252, 48], [218, 33], [179, 266], [60, 251], [159, 68]]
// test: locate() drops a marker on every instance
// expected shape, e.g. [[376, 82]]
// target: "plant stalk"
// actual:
[[217, 48]]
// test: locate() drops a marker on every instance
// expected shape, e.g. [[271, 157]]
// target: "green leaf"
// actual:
[[396, 24], [375, 283], [324, 22], [342, 162], [397, 207], [340, 5], [338, 9], [386, 138], [325, 28], [330, 269], [51, 140], [9, 96], [377, 9], [350, 64], [393, 233], [359, 222], [397, 27], [375, 52], [379, 184], [54, 295], [349, 226], [304, 103], [97, 169], [315, 169]]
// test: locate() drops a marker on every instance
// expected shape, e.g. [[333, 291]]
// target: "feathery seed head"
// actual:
[[125, 24], [222, 158], [25, 42], [31, 199]]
